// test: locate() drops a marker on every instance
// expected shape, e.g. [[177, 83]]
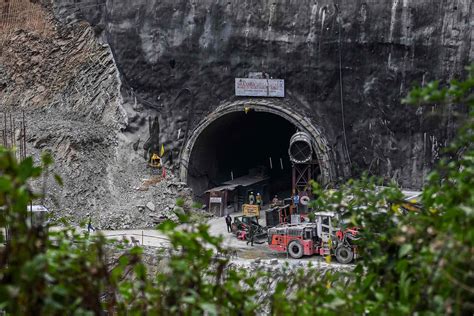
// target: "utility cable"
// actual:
[[342, 96]]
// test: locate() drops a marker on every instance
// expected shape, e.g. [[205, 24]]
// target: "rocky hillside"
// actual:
[[68, 85]]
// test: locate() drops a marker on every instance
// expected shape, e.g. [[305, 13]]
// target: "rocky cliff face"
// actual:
[[88, 91], [346, 64], [68, 85]]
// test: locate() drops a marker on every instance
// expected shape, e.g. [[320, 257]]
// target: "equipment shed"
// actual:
[[231, 195]]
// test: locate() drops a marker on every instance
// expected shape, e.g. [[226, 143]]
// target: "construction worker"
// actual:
[[275, 201], [259, 200], [251, 198], [250, 235], [89, 224], [296, 201], [228, 221]]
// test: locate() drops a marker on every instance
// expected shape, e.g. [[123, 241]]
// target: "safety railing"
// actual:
[[141, 237]]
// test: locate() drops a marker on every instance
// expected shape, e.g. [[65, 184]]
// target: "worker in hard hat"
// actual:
[[275, 201], [296, 201], [259, 200], [251, 198]]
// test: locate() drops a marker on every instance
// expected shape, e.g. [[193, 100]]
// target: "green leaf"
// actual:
[[209, 308], [5, 184], [337, 302], [46, 159], [404, 250], [167, 226], [58, 179]]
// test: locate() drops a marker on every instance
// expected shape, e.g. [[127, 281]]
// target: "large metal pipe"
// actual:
[[300, 149]]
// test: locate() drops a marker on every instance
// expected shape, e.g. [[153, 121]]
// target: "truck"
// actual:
[[323, 237]]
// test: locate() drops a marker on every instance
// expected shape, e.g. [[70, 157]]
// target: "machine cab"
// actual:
[[326, 228], [311, 233]]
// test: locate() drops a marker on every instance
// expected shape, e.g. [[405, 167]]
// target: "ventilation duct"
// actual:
[[300, 149]]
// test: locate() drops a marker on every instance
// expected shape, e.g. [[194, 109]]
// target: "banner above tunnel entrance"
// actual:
[[248, 87]]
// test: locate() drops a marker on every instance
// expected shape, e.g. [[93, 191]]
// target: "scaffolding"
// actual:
[[13, 134], [302, 174]]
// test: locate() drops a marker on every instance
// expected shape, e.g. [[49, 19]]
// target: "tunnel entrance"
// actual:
[[240, 144], [240, 136]]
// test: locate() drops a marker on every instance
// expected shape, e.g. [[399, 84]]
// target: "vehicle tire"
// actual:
[[295, 249], [344, 254]]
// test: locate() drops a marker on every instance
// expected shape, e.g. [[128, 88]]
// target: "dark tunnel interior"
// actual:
[[239, 144]]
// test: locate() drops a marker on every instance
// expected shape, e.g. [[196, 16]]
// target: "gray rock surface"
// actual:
[[89, 90], [150, 206], [179, 58], [68, 85]]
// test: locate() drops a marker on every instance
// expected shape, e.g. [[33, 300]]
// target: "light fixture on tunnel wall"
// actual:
[[247, 109]]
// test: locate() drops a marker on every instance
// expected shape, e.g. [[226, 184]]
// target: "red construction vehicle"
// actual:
[[323, 237]]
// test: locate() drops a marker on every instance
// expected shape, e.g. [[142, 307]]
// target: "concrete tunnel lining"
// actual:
[[281, 108]]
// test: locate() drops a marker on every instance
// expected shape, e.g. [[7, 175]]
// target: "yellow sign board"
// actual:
[[251, 210]]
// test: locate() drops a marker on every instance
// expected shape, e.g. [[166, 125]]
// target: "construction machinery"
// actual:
[[323, 237], [243, 224]]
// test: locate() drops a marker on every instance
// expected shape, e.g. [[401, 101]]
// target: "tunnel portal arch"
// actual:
[[281, 108]]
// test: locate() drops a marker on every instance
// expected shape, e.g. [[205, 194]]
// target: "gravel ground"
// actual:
[[245, 255]]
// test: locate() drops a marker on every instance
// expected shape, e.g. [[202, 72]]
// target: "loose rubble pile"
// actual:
[[70, 89], [150, 203]]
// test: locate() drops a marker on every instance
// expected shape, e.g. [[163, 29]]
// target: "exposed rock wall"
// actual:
[[180, 58], [68, 84]]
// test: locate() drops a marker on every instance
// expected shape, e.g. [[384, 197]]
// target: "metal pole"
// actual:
[[14, 137], [5, 123], [11, 131], [21, 141], [3, 137], [293, 178], [142, 237], [22, 145], [24, 135]]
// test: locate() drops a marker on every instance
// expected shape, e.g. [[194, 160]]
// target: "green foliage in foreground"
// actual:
[[412, 262]]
